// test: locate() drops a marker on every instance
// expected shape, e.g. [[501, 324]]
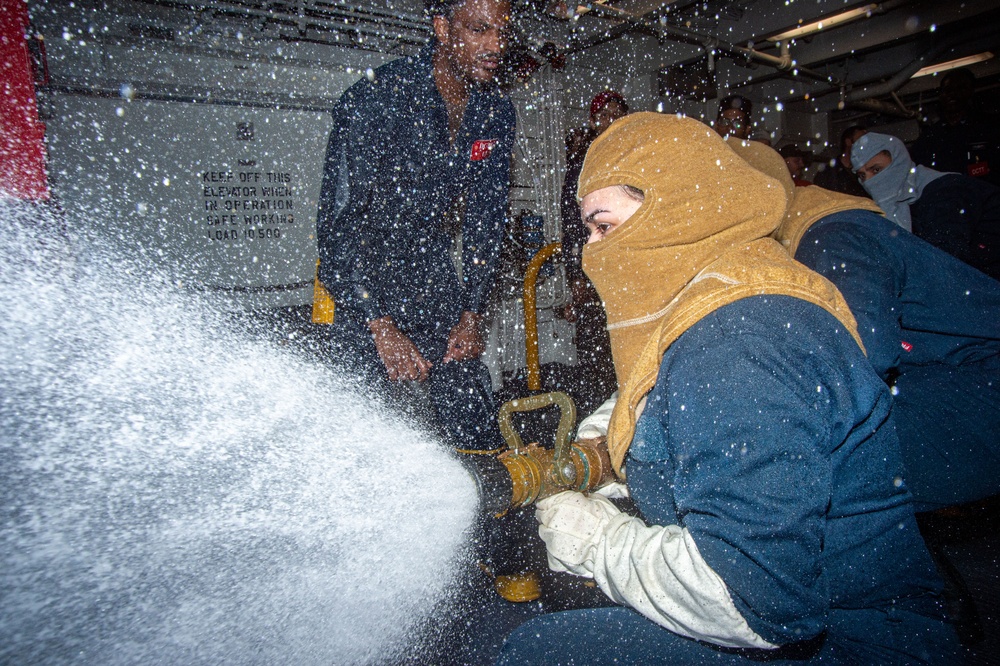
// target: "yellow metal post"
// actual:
[[531, 316], [322, 312]]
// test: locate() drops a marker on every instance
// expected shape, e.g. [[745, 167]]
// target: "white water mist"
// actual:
[[175, 491]]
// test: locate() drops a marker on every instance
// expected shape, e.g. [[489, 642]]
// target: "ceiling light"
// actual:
[[825, 24], [954, 64]]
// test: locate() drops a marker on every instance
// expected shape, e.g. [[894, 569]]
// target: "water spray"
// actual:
[[181, 489]]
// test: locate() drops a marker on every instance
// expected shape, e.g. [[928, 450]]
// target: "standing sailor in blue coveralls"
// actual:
[[411, 216]]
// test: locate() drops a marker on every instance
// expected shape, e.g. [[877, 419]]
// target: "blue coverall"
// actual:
[[931, 327], [961, 215], [393, 186], [769, 438]]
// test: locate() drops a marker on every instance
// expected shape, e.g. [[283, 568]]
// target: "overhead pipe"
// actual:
[[783, 62], [901, 77], [869, 92], [878, 106], [309, 11], [419, 31], [577, 45], [902, 107]]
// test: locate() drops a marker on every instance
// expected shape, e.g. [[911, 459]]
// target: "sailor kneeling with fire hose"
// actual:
[[758, 442]]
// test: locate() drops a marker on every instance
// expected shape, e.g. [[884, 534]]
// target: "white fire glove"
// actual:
[[596, 425], [614, 490], [659, 572], [656, 570], [572, 524]]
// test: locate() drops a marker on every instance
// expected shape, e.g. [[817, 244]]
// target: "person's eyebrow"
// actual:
[[590, 218]]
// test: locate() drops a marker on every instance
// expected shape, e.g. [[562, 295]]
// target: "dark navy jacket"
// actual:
[[769, 438], [961, 215], [391, 176], [915, 305], [931, 326]]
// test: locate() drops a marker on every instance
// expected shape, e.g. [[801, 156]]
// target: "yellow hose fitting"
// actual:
[[323, 307], [520, 587]]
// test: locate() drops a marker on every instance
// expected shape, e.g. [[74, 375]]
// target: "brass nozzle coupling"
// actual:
[[524, 474], [535, 473]]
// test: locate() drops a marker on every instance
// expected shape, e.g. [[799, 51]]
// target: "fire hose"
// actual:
[[523, 474]]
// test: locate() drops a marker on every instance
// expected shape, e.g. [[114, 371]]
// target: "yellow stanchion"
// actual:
[[323, 307], [531, 317]]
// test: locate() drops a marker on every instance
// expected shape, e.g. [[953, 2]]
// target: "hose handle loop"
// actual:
[[564, 469]]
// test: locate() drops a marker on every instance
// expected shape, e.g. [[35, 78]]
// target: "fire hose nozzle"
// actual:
[[524, 474]]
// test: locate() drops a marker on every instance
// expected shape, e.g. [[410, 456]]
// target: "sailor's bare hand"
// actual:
[[400, 356], [465, 342]]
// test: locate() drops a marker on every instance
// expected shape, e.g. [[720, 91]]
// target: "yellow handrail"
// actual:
[[531, 316]]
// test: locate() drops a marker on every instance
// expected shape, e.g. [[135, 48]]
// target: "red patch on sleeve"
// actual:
[[906, 345], [979, 169], [481, 149]]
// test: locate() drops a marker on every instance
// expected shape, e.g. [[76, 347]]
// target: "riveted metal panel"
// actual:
[[222, 198]]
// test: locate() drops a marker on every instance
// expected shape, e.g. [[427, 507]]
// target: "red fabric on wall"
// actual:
[[22, 134]]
